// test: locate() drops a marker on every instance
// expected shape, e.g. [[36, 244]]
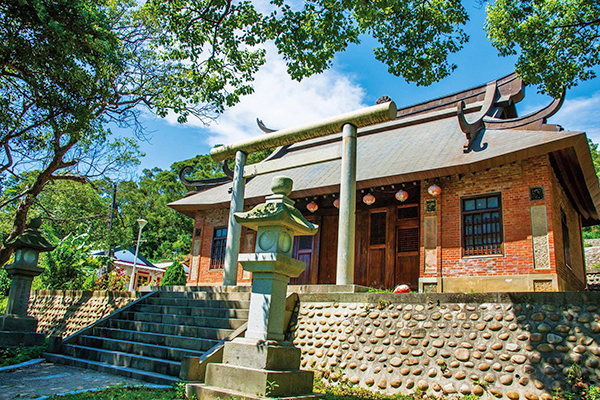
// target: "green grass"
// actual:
[[16, 355], [377, 290], [126, 393], [329, 391]]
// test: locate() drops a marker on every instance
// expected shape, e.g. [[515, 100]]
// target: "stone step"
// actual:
[[169, 329], [233, 296], [196, 312], [212, 289], [112, 369], [160, 339], [185, 302], [174, 319], [144, 363], [140, 349]]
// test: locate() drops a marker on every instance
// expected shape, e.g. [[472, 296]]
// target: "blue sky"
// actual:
[[356, 80]]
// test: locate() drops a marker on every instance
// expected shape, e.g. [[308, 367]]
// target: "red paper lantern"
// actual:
[[401, 195], [312, 207], [434, 190], [336, 203], [369, 199], [402, 289]]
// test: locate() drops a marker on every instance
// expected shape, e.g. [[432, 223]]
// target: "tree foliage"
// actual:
[[174, 275], [557, 42], [593, 232]]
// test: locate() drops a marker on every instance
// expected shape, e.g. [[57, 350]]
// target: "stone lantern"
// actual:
[[263, 365], [16, 327]]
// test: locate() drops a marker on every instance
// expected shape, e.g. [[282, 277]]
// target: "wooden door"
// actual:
[[407, 246], [303, 251], [328, 249], [376, 261]]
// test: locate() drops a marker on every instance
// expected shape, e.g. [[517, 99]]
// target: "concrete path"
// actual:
[[46, 379]]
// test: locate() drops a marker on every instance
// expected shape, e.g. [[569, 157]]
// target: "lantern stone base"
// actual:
[[256, 369], [259, 354], [19, 331], [17, 339], [12, 322]]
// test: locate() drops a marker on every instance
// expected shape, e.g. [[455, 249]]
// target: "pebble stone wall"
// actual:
[[515, 346], [64, 312]]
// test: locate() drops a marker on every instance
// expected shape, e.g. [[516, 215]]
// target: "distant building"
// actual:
[[452, 197], [145, 272]]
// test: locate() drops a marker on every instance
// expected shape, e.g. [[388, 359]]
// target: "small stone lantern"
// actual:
[[16, 327], [263, 365]]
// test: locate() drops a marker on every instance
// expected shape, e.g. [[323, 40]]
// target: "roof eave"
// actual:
[[462, 168]]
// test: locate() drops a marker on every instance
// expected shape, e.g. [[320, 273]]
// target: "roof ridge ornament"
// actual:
[[263, 127], [207, 183], [536, 120], [472, 128]]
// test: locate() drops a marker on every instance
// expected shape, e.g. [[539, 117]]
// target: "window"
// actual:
[[142, 279], [217, 254], [378, 228], [482, 226], [565, 233], [197, 232]]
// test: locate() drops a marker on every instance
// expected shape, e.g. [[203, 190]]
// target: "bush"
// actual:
[[17, 355], [175, 275], [116, 280], [70, 266], [4, 282]]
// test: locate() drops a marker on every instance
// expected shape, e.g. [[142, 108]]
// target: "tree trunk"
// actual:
[[20, 219]]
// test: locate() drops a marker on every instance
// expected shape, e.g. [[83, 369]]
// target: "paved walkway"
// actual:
[[46, 379]]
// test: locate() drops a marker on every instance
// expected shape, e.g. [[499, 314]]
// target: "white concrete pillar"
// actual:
[[347, 221], [234, 230]]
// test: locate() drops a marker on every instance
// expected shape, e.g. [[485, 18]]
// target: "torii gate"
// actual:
[[348, 124]]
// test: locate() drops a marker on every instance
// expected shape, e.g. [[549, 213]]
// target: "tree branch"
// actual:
[[68, 177]]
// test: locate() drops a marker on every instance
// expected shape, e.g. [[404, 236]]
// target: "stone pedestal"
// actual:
[[256, 369], [263, 365], [16, 327]]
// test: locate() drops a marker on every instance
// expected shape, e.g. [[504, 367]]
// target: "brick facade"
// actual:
[[570, 277], [513, 270], [200, 271]]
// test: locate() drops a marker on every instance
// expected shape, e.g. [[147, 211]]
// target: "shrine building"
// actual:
[[456, 194]]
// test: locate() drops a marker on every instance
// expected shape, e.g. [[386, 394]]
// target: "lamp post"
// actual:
[[141, 222]]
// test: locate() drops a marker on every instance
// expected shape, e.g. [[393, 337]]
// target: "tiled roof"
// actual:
[[395, 155]]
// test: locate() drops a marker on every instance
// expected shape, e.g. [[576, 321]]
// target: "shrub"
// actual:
[[4, 282], [70, 266], [116, 280], [17, 355], [174, 275]]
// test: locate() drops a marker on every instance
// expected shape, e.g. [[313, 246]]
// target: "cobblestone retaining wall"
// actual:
[[517, 346], [64, 312]]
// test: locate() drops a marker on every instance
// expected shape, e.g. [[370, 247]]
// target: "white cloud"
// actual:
[[581, 114], [283, 103]]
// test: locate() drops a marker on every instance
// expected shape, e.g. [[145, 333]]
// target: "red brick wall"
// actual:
[[513, 182], [571, 277], [207, 221]]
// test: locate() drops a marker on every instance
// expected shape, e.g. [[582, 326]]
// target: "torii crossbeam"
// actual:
[[348, 124]]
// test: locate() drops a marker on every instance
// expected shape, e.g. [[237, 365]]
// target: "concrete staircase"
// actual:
[[149, 338]]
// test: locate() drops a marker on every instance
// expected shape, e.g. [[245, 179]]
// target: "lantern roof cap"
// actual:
[[31, 238], [279, 210]]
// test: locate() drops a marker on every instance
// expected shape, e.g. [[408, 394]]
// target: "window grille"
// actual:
[[482, 226], [219, 243]]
